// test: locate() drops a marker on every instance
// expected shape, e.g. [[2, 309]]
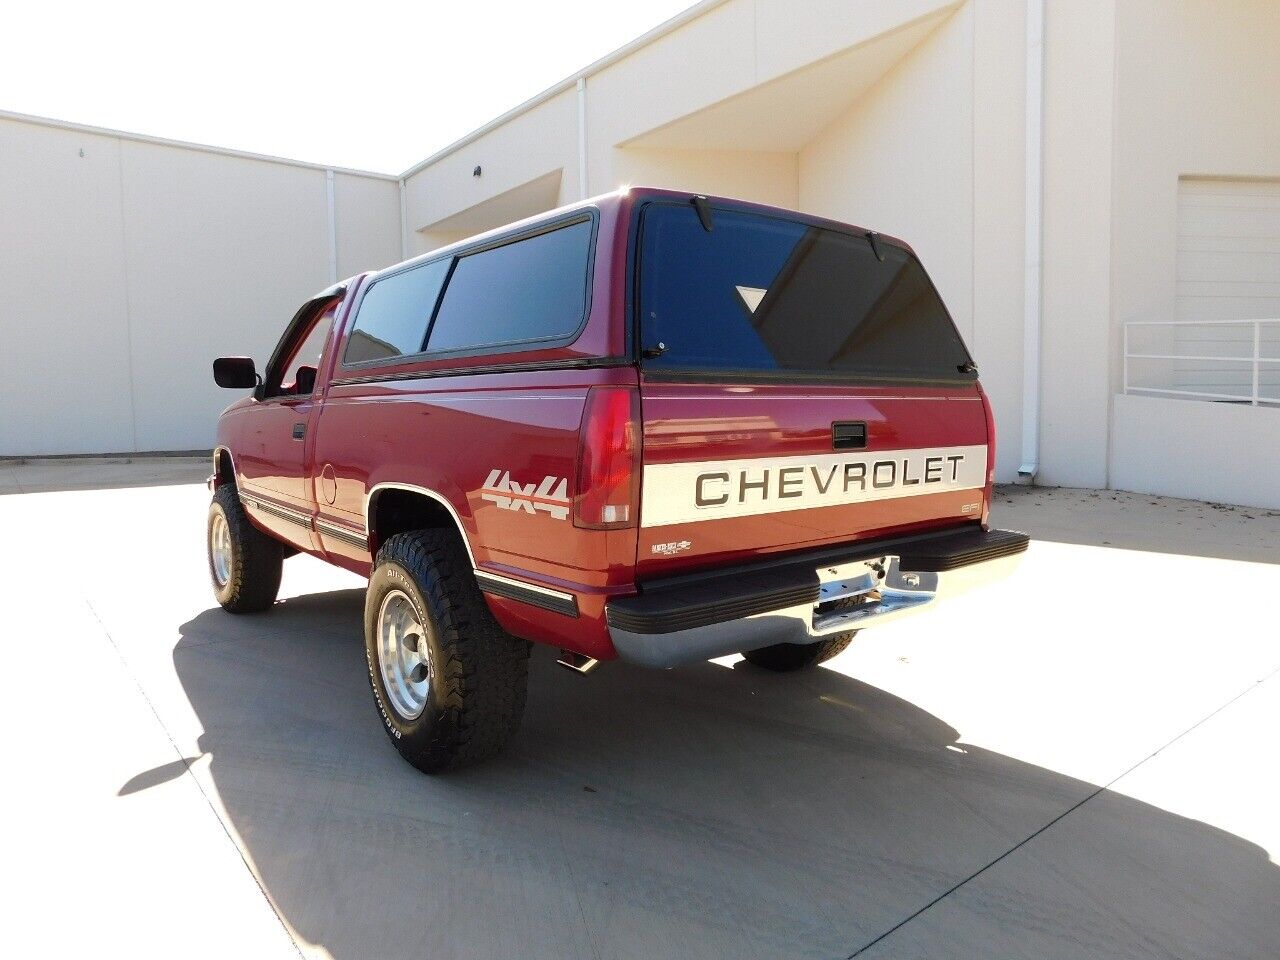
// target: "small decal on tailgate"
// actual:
[[550, 496], [670, 549]]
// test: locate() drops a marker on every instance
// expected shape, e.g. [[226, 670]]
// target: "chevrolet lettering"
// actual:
[[650, 426], [683, 493]]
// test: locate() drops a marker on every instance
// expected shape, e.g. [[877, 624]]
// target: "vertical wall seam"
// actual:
[[582, 139], [755, 42], [128, 300], [404, 220], [331, 211]]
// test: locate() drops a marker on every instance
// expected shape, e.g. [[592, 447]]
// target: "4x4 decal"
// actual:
[[551, 495]]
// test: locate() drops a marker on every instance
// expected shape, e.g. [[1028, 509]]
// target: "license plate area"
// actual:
[[849, 593]]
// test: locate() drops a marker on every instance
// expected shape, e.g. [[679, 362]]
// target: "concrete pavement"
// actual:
[[1074, 763]]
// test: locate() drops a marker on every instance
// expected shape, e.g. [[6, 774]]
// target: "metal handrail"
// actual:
[[1255, 361]]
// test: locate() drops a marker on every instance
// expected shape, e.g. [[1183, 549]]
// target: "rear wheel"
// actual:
[[244, 563], [448, 681], [785, 657]]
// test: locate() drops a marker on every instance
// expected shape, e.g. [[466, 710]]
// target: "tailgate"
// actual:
[[802, 383], [732, 472]]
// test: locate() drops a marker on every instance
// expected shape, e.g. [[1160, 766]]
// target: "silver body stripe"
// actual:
[[483, 575], [285, 513], [354, 537]]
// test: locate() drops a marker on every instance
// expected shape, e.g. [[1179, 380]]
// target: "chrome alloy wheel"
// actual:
[[404, 658], [220, 549]]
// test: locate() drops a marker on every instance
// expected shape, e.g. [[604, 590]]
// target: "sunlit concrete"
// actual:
[[1076, 762]]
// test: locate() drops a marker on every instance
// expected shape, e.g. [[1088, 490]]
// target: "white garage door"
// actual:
[[1228, 269]]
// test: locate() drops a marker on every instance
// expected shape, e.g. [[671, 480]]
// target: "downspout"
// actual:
[[582, 138], [404, 222], [1033, 302]]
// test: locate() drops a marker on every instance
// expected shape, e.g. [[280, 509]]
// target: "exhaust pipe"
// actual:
[[577, 662]]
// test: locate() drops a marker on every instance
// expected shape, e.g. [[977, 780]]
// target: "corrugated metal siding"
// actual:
[[1228, 268]]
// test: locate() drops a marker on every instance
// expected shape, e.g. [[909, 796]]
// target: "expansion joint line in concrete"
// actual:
[[1062, 816], [205, 796]]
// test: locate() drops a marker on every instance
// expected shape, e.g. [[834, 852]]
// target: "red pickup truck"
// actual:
[[649, 426]]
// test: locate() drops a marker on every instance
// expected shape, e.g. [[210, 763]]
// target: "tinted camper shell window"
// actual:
[[527, 291], [771, 298]]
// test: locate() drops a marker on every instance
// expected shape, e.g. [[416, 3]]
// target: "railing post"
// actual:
[[1257, 359]]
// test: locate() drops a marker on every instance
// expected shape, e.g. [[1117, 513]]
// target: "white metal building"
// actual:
[[1083, 179]]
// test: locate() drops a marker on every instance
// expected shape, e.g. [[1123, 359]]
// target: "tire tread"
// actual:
[[257, 559], [484, 675]]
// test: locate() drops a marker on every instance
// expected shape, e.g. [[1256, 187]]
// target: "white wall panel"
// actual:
[[1076, 326], [220, 252], [365, 207], [64, 335], [129, 265], [760, 177], [1228, 268], [901, 161], [1194, 167], [1204, 451], [999, 144]]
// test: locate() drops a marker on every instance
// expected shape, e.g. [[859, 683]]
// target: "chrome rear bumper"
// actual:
[[673, 624]]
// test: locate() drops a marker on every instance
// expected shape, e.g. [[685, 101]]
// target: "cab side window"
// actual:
[[395, 313], [296, 376], [527, 291]]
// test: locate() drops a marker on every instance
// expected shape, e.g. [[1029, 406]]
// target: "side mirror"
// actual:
[[235, 373], [305, 380]]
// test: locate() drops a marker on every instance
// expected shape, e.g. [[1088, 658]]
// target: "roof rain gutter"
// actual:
[[1033, 297]]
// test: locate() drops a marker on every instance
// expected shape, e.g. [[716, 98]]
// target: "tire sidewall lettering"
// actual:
[[387, 577]]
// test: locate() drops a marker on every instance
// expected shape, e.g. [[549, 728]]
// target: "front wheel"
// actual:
[[244, 563], [448, 681]]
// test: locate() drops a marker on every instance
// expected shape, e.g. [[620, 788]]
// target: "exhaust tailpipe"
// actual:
[[577, 662]]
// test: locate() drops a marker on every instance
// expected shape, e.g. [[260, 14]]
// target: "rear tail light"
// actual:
[[607, 495]]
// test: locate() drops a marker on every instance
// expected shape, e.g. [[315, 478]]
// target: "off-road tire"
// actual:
[[479, 673], [257, 560]]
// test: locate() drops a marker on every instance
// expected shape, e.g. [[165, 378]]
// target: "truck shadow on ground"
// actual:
[[704, 812]]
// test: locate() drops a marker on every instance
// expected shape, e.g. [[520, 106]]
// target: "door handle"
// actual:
[[299, 430], [849, 435]]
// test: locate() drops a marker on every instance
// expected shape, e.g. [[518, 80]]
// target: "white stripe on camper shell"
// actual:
[[718, 489]]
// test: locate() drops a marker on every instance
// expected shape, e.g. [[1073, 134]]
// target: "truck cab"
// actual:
[[653, 426]]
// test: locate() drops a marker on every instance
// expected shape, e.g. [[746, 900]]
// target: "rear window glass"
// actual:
[[764, 295], [529, 290], [394, 314]]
